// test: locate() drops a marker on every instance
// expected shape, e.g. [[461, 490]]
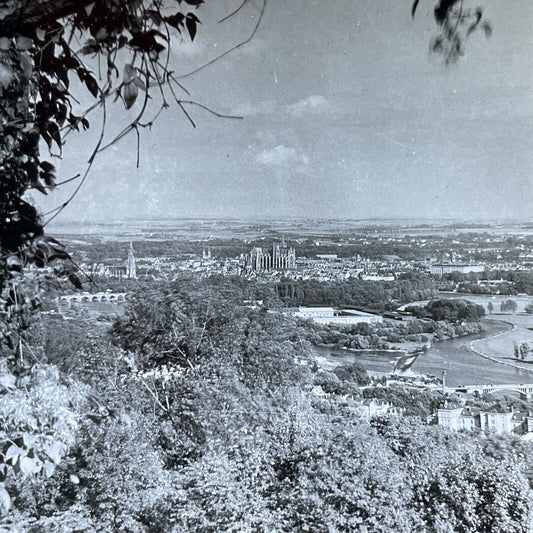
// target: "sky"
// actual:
[[345, 112]]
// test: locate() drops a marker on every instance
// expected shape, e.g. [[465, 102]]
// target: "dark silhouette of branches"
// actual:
[[456, 24], [233, 48], [43, 44]]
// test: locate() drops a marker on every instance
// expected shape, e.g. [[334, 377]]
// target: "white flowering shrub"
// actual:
[[38, 424]]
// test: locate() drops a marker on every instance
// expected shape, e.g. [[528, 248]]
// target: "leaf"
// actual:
[[154, 15], [8, 381], [47, 238], [441, 11], [27, 65], [54, 450], [55, 134], [29, 465], [90, 47], [129, 73], [92, 85], [58, 255], [6, 75], [23, 43], [12, 452], [140, 83], [191, 22], [13, 263], [41, 34], [75, 281], [413, 9], [130, 94], [487, 28], [39, 187], [48, 168], [49, 468], [176, 21], [471, 29], [29, 440], [5, 499]]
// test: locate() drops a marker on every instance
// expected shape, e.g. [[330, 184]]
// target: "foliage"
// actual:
[[373, 295], [241, 440], [509, 306], [39, 421], [451, 310], [390, 334]]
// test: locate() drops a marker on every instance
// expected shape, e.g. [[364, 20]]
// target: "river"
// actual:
[[462, 366]]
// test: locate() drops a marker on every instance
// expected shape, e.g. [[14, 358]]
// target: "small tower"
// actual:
[[206, 253], [131, 271], [291, 258]]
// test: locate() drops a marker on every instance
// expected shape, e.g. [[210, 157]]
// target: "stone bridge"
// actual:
[[524, 389], [84, 297]]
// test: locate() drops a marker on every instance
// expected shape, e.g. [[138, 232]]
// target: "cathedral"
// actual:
[[280, 258]]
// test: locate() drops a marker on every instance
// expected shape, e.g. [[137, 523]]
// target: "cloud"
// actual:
[[248, 110], [282, 156], [310, 104], [185, 49]]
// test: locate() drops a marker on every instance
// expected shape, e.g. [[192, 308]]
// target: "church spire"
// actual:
[[131, 270]]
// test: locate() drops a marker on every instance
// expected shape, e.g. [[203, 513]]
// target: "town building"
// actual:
[[329, 315], [448, 268], [493, 419], [110, 270], [206, 253], [372, 408], [280, 258]]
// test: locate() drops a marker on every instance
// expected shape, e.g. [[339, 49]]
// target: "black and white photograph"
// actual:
[[266, 266]]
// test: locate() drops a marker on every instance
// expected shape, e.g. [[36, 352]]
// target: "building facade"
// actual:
[[279, 258], [491, 420], [447, 268], [329, 315]]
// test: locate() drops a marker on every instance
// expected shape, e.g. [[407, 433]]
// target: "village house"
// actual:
[[493, 419]]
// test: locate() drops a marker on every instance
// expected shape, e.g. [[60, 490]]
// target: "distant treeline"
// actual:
[[372, 295]]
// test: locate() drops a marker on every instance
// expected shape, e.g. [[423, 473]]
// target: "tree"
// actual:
[[508, 306], [524, 350]]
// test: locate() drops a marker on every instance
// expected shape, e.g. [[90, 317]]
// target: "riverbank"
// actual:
[[462, 365], [499, 348]]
